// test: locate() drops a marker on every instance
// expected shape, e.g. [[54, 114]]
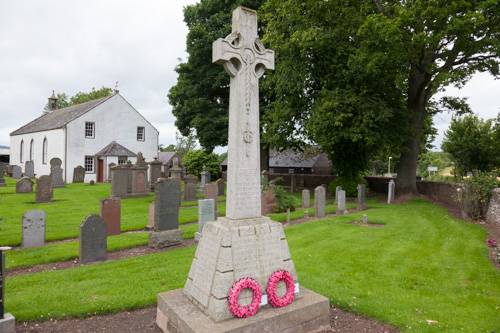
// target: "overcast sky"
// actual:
[[71, 46]]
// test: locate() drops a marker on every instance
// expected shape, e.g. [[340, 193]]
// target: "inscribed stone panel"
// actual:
[[166, 205], [25, 185], [17, 172], [92, 239], [79, 174], [33, 229], [44, 191]]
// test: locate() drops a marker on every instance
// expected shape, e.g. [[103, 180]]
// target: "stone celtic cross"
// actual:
[[245, 59]]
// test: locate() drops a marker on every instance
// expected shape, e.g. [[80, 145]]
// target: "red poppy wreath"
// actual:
[[247, 310], [275, 300]]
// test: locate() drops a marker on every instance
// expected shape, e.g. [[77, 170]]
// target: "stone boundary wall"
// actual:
[[378, 184], [445, 192], [310, 181]]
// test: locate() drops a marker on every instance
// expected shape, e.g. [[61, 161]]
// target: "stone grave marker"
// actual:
[[10, 168], [56, 172], [206, 213], [7, 320], [119, 181], [361, 197], [337, 189], [25, 185], [17, 172], [341, 203], [154, 173], [110, 211], [220, 187], [79, 174], [29, 169], [365, 219], [319, 201], [306, 197], [91, 182], [190, 187], [2, 170], [175, 170], [33, 234], [392, 189], [205, 179], [44, 191], [211, 193], [151, 221], [93, 240]]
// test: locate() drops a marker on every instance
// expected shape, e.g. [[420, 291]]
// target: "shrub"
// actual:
[[478, 191], [350, 186]]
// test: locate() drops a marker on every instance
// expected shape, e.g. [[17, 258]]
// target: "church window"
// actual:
[[89, 130], [122, 160], [89, 164], [21, 150], [32, 150], [140, 133], [44, 151]]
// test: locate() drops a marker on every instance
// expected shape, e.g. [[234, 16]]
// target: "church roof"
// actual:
[[115, 149], [59, 118], [166, 156]]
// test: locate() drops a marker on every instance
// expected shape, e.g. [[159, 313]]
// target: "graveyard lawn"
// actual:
[[422, 271]]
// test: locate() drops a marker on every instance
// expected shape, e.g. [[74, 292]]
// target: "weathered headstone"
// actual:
[[243, 243], [175, 170], [25, 185], [306, 198], [93, 240], [79, 174], [2, 170], [110, 211], [206, 213], [211, 193], [361, 197], [341, 203], [91, 182], [44, 190], [190, 187], [33, 234], [151, 223], [319, 201], [166, 225], [56, 172], [17, 172], [365, 219], [29, 169], [55, 162], [392, 189], [337, 189], [7, 320], [205, 179], [154, 173], [10, 168], [119, 181], [220, 187]]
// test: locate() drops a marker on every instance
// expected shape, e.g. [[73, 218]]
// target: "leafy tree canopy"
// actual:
[[196, 159], [81, 97]]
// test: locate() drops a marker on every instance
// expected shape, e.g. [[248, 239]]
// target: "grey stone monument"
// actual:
[[119, 181], [93, 240], [2, 170], [361, 197], [392, 189], [220, 187], [243, 243], [175, 170], [166, 224], [7, 320], [319, 201], [33, 234], [190, 182], [56, 172], [25, 185], [154, 173], [337, 189], [205, 179], [306, 198], [44, 190], [211, 192], [206, 213], [341, 203], [17, 172], [79, 174], [29, 169]]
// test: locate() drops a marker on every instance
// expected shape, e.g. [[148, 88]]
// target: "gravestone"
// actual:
[[306, 198], [7, 320], [91, 182], [10, 168], [341, 203], [190, 187], [390, 194], [337, 189], [175, 170], [29, 169], [361, 197], [79, 174], [33, 234], [243, 243], [44, 191], [56, 172], [93, 240], [220, 187], [154, 173], [206, 213], [211, 193], [25, 185], [151, 221], [110, 211], [166, 225], [319, 201], [205, 179], [110, 165], [2, 170], [17, 172], [119, 181], [293, 184], [365, 219]]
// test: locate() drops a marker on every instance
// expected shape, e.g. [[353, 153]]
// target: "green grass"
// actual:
[[422, 265]]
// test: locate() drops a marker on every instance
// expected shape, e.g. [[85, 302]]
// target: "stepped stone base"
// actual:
[[177, 314], [8, 323], [160, 239]]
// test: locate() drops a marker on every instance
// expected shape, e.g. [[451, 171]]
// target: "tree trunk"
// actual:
[[264, 158], [418, 97]]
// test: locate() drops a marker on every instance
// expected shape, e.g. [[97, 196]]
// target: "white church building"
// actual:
[[92, 134]]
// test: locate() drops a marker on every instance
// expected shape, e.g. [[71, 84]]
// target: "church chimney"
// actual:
[[53, 102]]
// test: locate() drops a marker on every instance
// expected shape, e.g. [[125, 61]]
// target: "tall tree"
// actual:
[[363, 72], [200, 99], [80, 97]]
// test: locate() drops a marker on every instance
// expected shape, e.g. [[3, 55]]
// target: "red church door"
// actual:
[[100, 170]]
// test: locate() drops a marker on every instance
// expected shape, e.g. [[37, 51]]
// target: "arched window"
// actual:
[[32, 150], [21, 152], [44, 151]]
